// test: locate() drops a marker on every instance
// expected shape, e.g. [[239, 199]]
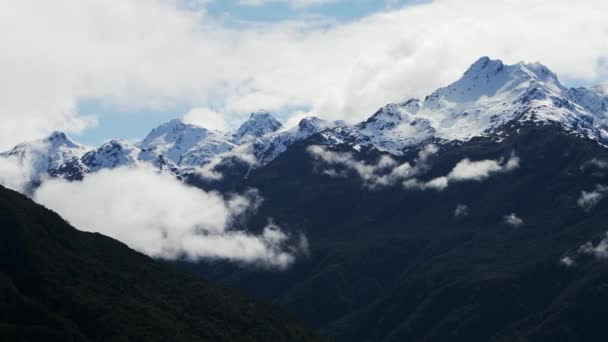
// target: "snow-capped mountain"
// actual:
[[112, 154], [270, 146], [488, 96], [184, 144], [258, 125], [486, 100], [45, 155]]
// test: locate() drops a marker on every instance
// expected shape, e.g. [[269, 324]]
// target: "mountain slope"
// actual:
[[60, 284], [394, 264]]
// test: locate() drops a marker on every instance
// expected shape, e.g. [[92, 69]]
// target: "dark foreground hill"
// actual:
[[395, 264], [60, 284]]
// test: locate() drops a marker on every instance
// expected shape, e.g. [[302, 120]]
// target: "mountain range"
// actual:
[[488, 98], [474, 214]]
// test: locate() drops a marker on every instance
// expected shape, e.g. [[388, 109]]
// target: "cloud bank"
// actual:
[[162, 55], [157, 215]]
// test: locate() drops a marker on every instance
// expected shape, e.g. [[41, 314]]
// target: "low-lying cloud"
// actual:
[[157, 215], [462, 210], [243, 154], [597, 250], [14, 175], [589, 200], [467, 170], [513, 220], [386, 172]]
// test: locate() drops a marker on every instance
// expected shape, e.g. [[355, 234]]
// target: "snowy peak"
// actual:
[[112, 154], [391, 115], [45, 154], [489, 95], [258, 125], [489, 78], [313, 124], [175, 138]]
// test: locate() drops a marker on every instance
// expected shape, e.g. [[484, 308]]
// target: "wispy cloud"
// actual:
[[467, 170], [597, 250], [513, 220], [242, 153], [461, 210], [589, 200], [386, 172]]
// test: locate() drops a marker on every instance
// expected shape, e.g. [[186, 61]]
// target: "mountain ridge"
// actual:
[[485, 100]]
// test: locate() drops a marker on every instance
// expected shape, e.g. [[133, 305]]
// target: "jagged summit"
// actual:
[[489, 78], [45, 154], [112, 154], [488, 97], [258, 125]]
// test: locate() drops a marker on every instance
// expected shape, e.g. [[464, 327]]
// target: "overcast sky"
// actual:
[[100, 69]]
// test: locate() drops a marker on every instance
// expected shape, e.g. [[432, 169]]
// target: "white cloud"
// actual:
[[155, 54], [156, 214], [467, 170], [600, 250], [589, 200], [513, 220], [386, 172], [461, 210], [242, 153], [293, 3], [14, 175], [207, 118], [142, 54], [568, 261], [597, 163]]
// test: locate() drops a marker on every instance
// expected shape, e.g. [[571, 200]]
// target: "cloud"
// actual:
[[513, 220], [293, 3], [589, 200], [568, 261], [207, 118], [156, 214], [597, 163], [14, 175], [241, 153], [467, 170], [161, 54], [599, 250], [386, 172], [461, 210]]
